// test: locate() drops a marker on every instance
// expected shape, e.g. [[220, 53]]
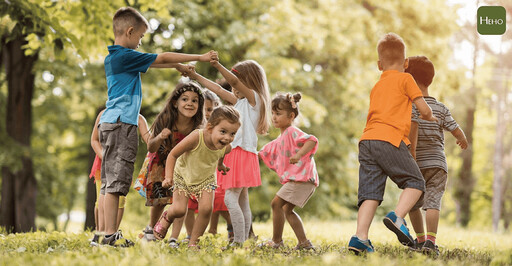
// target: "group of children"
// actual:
[[203, 157]]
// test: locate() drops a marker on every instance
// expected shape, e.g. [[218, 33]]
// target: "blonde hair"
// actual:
[[126, 17], [391, 49], [252, 75]]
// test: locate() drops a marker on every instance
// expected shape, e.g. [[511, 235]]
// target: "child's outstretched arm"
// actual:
[[413, 138], [170, 58], [234, 81], [308, 146], [220, 165], [154, 142], [95, 138], [424, 109], [461, 138], [187, 144], [143, 129], [214, 87]]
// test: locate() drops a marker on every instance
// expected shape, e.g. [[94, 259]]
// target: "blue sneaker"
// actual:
[[399, 227], [357, 246]]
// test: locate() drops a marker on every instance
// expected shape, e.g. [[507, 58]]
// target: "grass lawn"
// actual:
[[458, 247]]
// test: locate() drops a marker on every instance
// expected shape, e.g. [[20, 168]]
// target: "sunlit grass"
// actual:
[[457, 245]]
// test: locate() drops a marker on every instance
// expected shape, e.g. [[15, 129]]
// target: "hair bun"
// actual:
[[296, 97]]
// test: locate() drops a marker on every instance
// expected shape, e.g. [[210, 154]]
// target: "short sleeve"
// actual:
[[134, 61], [449, 123], [411, 88], [300, 138], [415, 114]]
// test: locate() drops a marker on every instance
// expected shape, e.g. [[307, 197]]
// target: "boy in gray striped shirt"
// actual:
[[427, 147]]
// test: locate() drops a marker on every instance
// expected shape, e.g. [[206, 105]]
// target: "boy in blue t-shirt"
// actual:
[[118, 124]]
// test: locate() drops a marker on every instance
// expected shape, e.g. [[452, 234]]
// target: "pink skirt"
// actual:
[[244, 170]]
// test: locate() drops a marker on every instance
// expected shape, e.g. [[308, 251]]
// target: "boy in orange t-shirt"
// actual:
[[383, 148]]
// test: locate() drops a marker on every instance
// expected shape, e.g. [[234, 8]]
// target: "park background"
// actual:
[[52, 85]]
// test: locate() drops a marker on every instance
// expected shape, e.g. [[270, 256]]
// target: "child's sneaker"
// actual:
[[95, 241], [117, 240], [430, 248], [147, 234], [358, 246], [399, 227], [417, 246], [173, 243]]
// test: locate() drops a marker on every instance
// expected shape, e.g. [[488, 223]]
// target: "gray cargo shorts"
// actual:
[[119, 142]]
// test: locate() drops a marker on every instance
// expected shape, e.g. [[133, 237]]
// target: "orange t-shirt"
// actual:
[[389, 115]]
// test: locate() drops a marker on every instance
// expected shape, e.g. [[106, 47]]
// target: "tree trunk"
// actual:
[[498, 154], [90, 199], [19, 187]]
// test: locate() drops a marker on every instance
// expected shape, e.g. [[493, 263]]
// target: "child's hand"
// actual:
[[463, 144], [294, 159], [165, 133], [223, 168], [214, 56], [184, 69], [191, 72], [207, 57], [167, 183]]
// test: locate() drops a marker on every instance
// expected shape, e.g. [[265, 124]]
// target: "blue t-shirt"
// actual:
[[122, 68]]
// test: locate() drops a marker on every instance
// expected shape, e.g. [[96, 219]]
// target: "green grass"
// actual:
[[458, 247]]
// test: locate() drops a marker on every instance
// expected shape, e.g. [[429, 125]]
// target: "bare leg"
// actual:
[[176, 227], [364, 218], [214, 221], [203, 217], [190, 221], [417, 221], [407, 200], [432, 219], [177, 210], [101, 213], [278, 218], [111, 206], [226, 216], [96, 218], [120, 213], [295, 222], [155, 213]]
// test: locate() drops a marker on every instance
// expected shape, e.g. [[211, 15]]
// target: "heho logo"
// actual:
[[491, 20]]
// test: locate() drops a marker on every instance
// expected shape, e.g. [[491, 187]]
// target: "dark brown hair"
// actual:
[[168, 117], [126, 17], [284, 102], [421, 69], [224, 112], [391, 49]]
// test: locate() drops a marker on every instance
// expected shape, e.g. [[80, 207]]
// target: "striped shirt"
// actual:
[[430, 147]]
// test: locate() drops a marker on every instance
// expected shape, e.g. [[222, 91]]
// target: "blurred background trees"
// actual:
[[324, 49]]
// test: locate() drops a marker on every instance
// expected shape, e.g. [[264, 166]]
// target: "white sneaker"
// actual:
[[148, 234], [173, 243]]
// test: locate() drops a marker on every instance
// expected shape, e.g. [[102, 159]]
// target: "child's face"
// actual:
[[223, 133], [187, 104], [282, 119], [134, 37], [208, 108]]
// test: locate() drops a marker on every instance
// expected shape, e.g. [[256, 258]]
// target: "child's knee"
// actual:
[[288, 208]]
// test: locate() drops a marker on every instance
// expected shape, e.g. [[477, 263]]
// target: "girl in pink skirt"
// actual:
[[250, 96], [291, 157]]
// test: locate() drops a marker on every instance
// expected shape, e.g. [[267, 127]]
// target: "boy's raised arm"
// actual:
[[424, 109], [172, 58]]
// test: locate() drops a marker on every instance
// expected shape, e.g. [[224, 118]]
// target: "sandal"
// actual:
[[306, 245], [159, 230]]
